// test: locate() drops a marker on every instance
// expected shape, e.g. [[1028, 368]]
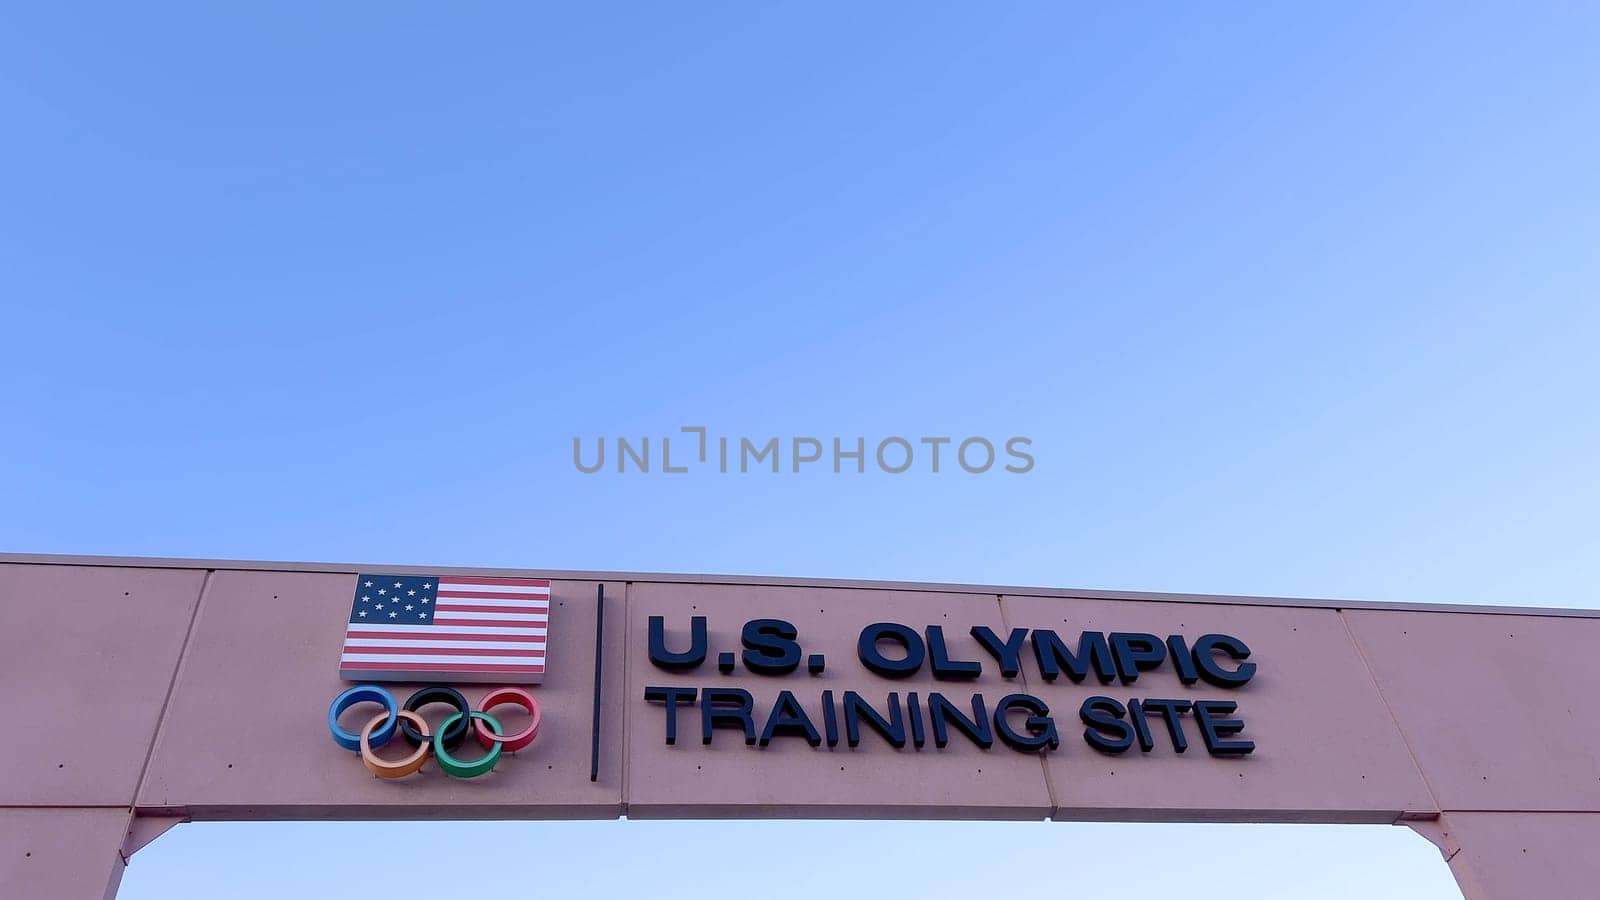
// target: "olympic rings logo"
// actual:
[[441, 744]]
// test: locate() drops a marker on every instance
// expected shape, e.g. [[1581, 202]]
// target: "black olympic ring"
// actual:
[[459, 726]]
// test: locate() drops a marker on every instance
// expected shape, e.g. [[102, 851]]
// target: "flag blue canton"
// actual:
[[394, 600]]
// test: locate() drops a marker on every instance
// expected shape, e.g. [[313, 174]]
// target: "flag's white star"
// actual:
[[368, 584], [380, 606], [409, 607], [365, 598], [426, 586], [422, 615], [383, 590], [410, 593], [397, 584], [425, 600], [363, 612], [393, 614]]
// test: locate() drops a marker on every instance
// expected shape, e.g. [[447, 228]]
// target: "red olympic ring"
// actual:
[[511, 742]]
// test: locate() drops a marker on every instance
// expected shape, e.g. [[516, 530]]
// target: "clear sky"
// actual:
[[1294, 300]]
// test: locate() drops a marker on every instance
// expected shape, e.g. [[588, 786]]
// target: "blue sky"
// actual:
[[1296, 301]]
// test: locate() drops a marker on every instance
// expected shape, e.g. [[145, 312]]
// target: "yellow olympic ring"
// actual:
[[399, 768]]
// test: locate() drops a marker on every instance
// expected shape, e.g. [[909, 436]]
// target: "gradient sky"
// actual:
[[1290, 300]]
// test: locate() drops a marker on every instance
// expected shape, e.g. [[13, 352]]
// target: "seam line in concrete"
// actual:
[[1405, 739], [1022, 675], [172, 686]]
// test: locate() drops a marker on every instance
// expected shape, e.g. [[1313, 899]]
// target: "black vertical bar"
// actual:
[[599, 644]]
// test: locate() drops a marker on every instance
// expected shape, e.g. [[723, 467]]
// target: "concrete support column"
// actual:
[[61, 853], [1517, 855]]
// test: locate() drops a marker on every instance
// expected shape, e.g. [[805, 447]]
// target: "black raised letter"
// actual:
[[769, 647], [1008, 653], [1106, 732], [830, 719], [943, 712], [726, 707], [914, 715], [789, 718], [1141, 728], [867, 649], [945, 668], [1207, 644], [1182, 659], [1039, 728], [677, 662], [1135, 653], [893, 729], [671, 696], [1052, 655], [1170, 711], [1212, 730]]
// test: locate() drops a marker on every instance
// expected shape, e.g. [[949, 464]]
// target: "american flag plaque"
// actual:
[[447, 628]]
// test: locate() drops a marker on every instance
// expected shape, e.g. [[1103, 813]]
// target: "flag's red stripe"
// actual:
[[401, 665], [492, 623], [529, 609], [495, 595], [500, 582], [433, 633], [447, 651]]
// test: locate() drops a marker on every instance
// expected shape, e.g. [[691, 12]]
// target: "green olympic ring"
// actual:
[[455, 767]]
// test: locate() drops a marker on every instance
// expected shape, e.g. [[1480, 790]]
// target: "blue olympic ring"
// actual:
[[364, 693]]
